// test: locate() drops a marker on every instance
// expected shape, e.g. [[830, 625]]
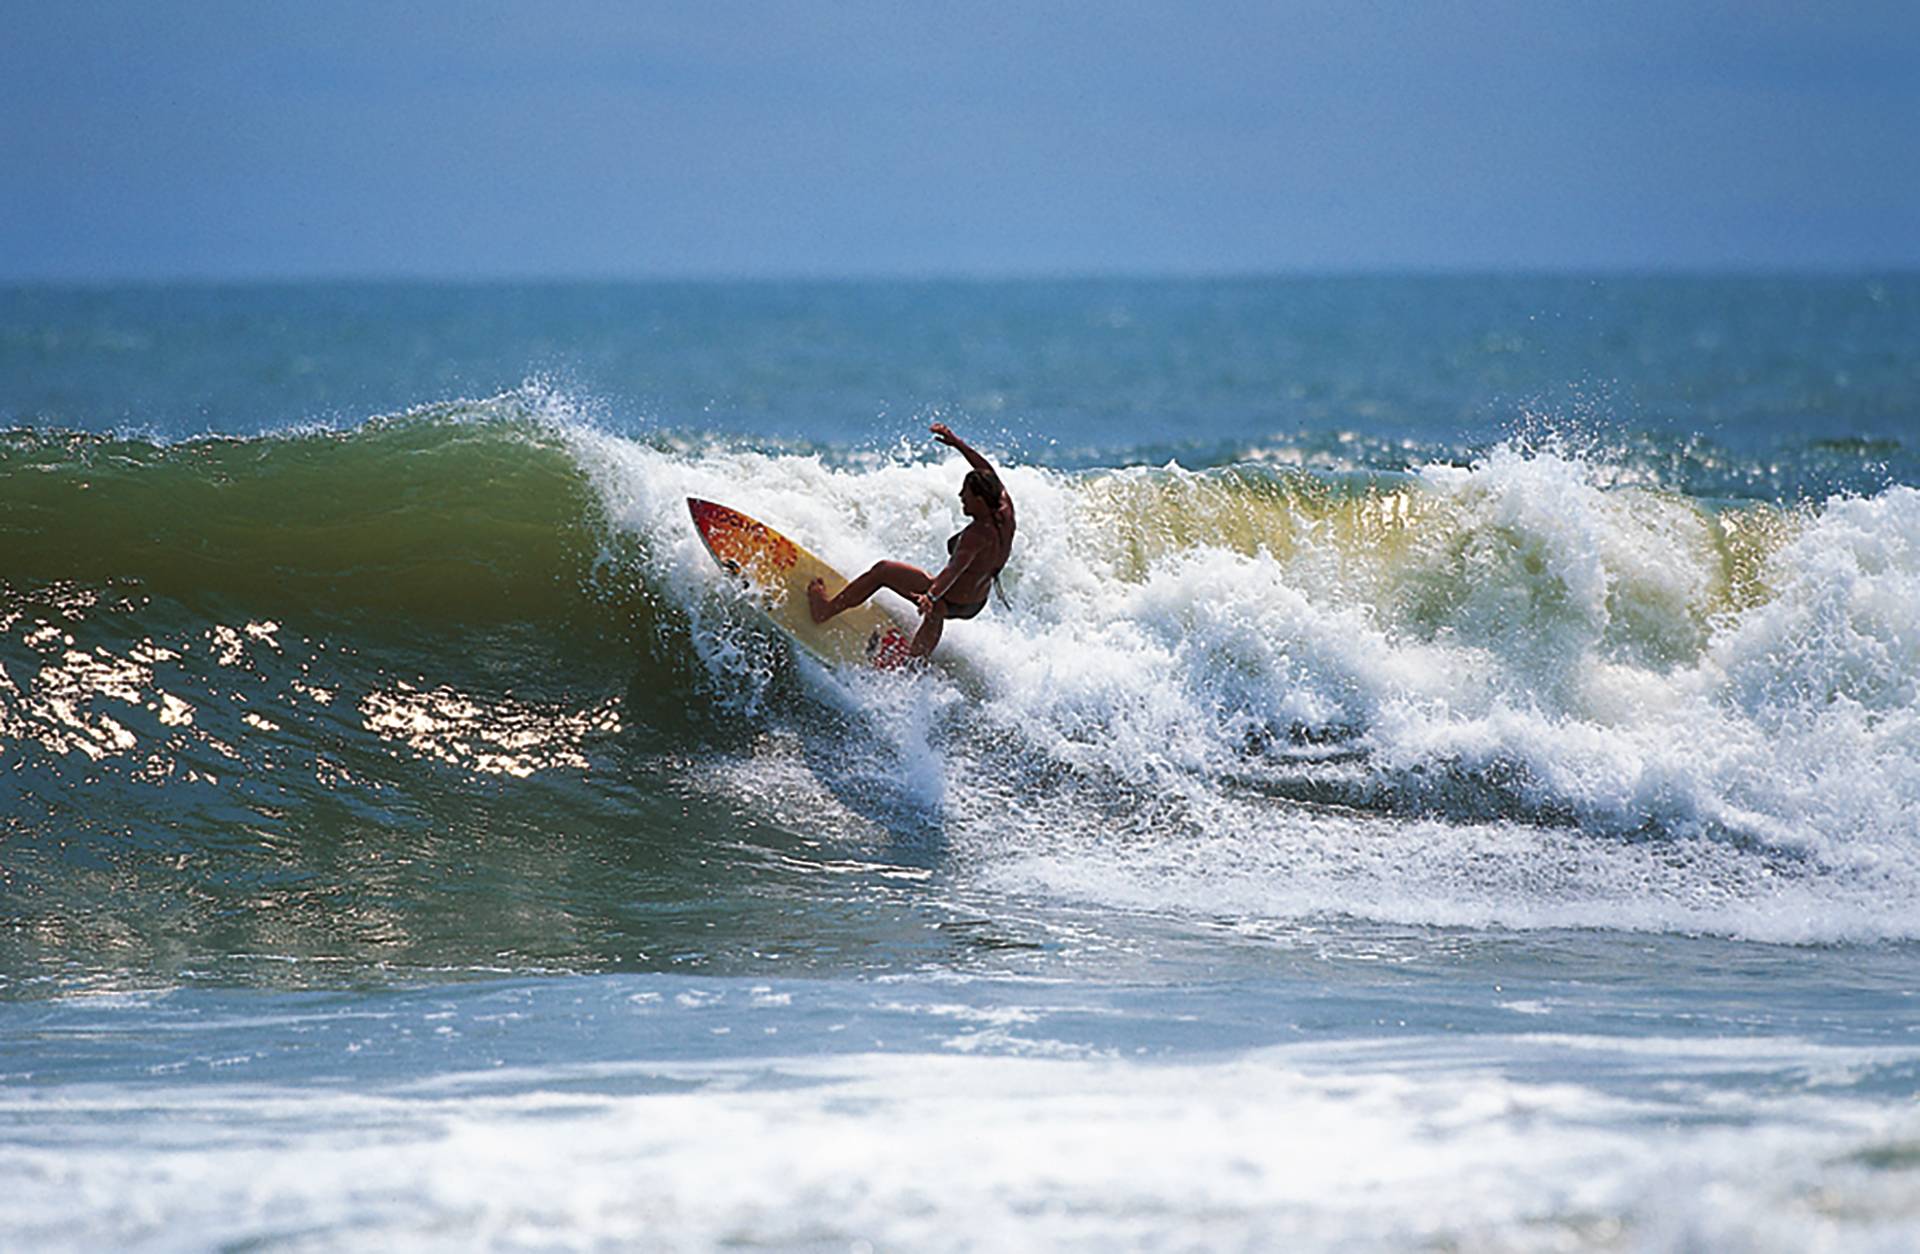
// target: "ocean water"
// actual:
[[1448, 775]]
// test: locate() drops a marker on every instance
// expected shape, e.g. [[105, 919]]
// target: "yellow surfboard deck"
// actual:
[[779, 571]]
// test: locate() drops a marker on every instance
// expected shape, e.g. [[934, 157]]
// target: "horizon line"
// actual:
[[269, 278]]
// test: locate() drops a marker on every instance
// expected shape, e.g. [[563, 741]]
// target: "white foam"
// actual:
[[942, 1152], [1528, 649]]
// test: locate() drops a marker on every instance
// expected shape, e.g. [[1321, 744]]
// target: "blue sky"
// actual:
[[458, 140]]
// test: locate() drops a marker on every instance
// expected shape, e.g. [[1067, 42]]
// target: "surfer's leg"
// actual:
[[929, 633], [908, 581]]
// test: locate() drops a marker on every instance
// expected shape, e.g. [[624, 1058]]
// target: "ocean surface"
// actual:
[[1448, 776]]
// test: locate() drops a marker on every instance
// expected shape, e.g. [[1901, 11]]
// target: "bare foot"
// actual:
[[818, 603]]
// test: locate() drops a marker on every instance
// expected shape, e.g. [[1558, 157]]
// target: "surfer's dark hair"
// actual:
[[985, 485]]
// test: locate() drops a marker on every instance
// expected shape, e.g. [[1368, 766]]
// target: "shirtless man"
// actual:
[[975, 555]]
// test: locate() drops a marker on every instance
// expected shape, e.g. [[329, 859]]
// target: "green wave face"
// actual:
[[461, 512]]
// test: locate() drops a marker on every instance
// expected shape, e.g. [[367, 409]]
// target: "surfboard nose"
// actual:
[[712, 512], [711, 518]]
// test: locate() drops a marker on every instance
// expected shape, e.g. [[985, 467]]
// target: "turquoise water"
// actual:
[[1449, 772], [1737, 385]]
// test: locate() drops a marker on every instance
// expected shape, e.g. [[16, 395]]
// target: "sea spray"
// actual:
[[1468, 649]]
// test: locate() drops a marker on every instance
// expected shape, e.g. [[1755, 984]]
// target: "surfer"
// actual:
[[975, 556]]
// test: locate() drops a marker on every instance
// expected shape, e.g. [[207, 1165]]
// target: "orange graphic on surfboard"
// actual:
[[779, 570]]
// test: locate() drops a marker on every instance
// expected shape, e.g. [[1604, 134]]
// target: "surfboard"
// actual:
[[778, 571]]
